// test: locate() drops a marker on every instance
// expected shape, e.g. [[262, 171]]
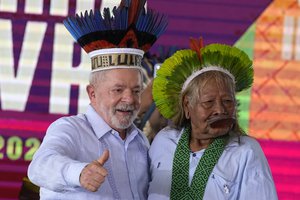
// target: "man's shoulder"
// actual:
[[70, 119], [168, 134], [244, 145]]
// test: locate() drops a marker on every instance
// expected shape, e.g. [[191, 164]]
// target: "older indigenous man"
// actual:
[[205, 154]]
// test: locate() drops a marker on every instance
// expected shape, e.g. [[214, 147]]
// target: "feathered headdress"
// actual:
[[180, 69], [118, 40]]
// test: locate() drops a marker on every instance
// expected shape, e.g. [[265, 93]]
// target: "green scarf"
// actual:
[[180, 188]]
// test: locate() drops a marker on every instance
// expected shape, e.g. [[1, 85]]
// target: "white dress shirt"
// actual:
[[73, 142], [241, 173]]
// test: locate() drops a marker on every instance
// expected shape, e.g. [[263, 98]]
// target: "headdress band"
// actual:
[[116, 58], [203, 70]]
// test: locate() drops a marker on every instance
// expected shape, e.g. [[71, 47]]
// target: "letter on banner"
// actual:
[[14, 90], [64, 75]]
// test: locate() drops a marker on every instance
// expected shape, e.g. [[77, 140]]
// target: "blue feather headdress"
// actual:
[[117, 40]]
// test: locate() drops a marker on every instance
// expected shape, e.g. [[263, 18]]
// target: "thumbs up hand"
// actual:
[[93, 175], [103, 158]]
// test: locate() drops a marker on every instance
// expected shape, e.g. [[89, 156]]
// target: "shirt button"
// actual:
[[226, 189]]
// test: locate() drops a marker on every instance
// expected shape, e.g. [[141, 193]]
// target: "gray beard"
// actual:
[[124, 123]]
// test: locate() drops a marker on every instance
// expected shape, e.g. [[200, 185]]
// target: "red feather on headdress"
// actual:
[[196, 45], [134, 8]]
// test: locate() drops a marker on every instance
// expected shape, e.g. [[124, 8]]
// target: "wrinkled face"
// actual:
[[216, 104], [116, 97]]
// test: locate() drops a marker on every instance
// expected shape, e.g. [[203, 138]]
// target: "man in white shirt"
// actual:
[[101, 154]]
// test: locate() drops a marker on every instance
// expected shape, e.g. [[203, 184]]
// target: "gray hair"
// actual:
[[99, 76]]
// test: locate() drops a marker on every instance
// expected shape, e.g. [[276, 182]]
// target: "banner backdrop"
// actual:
[[43, 74]]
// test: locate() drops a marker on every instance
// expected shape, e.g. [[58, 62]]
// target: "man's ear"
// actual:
[[186, 107], [90, 89]]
